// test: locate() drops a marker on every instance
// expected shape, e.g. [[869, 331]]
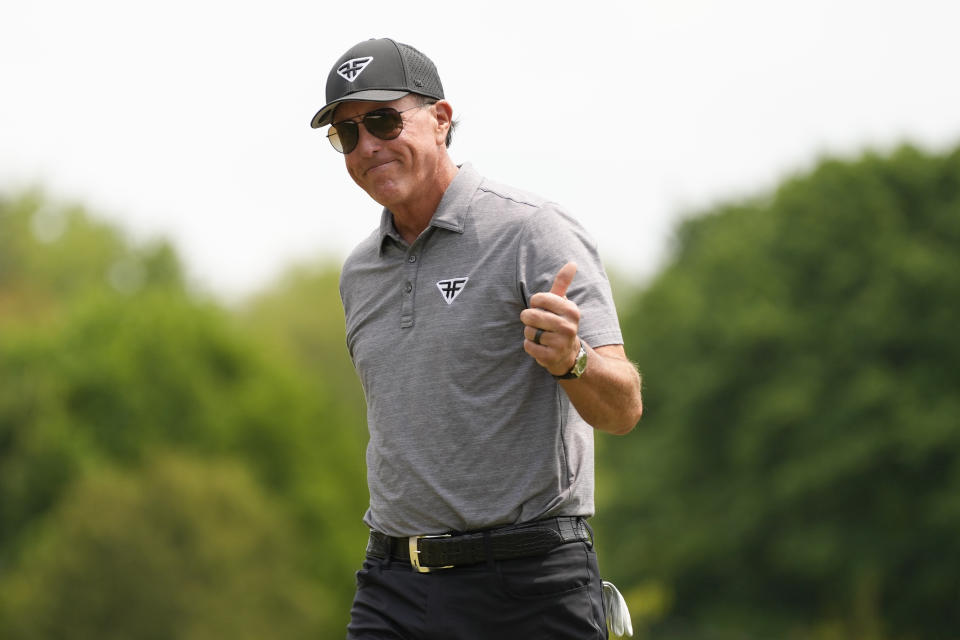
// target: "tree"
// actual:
[[104, 366], [799, 460], [182, 548], [53, 254], [299, 320]]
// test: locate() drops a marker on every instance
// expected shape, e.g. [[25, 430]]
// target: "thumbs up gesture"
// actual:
[[551, 325], [561, 281]]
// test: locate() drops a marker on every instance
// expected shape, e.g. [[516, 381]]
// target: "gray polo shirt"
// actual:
[[467, 431]]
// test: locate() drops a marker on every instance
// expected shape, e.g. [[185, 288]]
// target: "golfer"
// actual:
[[482, 327]]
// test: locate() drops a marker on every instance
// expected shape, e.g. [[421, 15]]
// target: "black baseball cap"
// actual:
[[378, 70]]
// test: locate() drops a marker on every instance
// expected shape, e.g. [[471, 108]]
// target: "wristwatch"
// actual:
[[579, 365]]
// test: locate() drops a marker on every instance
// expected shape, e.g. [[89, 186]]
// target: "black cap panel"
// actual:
[[375, 64], [378, 70]]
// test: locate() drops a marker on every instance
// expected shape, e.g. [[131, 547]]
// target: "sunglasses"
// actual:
[[385, 123]]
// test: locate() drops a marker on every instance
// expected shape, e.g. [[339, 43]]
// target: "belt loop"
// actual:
[[380, 563], [488, 551], [388, 560], [587, 526]]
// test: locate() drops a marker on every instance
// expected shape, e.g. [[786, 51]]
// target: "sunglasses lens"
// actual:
[[386, 124], [343, 136]]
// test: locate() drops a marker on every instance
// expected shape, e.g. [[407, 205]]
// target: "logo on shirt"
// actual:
[[451, 288], [350, 69]]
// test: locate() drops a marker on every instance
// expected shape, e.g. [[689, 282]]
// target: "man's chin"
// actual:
[[386, 195], [383, 187]]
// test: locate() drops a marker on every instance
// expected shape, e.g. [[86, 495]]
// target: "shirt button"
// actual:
[[408, 288], [412, 259]]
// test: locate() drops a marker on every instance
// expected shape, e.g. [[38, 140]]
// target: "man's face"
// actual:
[[394, 172]]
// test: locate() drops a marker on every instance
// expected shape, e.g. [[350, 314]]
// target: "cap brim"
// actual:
[[324, 116]]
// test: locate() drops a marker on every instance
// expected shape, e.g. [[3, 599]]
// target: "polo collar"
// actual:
[[451, 213]]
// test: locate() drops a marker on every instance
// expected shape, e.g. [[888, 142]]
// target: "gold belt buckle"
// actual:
[[415, 553]]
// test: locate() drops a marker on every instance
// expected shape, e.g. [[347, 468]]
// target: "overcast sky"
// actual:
[[190, 119]]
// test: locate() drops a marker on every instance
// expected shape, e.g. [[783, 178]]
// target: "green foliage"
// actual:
[[51, 255], [101, 371], [180, 549], [797, 469], [300, 321]]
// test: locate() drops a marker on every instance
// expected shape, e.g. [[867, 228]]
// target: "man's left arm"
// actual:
[[607, 395]]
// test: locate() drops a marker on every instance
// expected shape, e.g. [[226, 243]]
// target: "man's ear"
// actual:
[[444, 113]]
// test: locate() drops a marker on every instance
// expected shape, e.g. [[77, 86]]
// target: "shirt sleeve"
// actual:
[[551, 238]]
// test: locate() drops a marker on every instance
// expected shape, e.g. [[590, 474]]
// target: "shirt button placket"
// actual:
[[409, 290]]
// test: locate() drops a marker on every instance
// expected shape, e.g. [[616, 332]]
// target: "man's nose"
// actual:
[[367, 142]]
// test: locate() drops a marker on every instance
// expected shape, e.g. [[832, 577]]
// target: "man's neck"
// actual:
[[410, 221]]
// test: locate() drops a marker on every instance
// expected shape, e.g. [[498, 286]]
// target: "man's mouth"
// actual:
[[376, 167]]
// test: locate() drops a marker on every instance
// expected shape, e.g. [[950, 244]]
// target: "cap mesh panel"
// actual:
[[422, 71]]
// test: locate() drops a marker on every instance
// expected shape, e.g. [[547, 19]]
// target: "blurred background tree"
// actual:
[[171, 466], [797, 470], [107, 357], [179, 549]]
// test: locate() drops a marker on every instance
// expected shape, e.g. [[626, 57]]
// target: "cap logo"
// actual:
[[350, 69]]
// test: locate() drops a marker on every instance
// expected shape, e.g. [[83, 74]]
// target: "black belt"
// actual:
[[426, 553]]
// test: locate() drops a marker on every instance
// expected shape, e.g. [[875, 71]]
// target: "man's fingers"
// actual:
[[551, 314], [563, 279], [551, 323]]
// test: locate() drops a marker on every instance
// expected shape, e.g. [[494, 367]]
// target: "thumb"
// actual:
[[563, 279]]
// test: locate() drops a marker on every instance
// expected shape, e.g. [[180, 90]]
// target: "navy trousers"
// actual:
[[556, 596]]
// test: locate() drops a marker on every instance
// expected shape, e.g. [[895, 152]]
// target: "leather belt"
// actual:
[[427, 553]]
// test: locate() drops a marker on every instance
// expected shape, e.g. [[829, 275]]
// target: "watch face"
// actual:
[[581, 364]]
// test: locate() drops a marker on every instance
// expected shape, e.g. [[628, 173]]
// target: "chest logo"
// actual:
[[451, 288], [350, 69]]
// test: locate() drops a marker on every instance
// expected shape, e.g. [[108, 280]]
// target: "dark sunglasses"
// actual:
[[385, 123]]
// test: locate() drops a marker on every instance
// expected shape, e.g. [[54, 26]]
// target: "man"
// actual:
[[482, 327]]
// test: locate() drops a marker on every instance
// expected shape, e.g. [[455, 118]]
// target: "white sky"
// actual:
[[190, 119]]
